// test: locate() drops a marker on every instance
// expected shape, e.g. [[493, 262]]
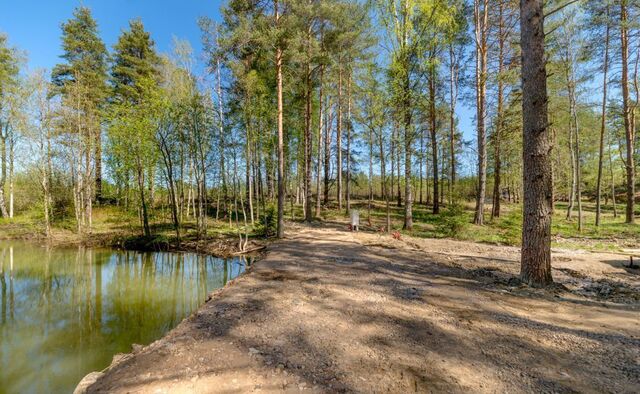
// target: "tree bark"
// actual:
[[408, 144], [628, 127], [327, 153], [98, 161], [3, 171], [495, 208], [320, 126], [603, 119], [452, 120], [221, 136], [481, 25], [434, 139], [143, 203], [281, 191], [535, 267], [339, 140], [348, 169], [307, 134]]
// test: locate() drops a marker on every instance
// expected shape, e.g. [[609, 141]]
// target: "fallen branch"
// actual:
[[246, 251]]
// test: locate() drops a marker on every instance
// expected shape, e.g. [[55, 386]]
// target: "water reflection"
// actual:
[[66, 312]]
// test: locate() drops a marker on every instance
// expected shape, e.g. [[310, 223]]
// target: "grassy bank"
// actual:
[[114, 227], [612, 234]]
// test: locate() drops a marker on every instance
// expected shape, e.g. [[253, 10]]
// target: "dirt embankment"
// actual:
[[331, 311], [220, 245]]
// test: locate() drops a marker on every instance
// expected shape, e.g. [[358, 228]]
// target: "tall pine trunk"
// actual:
[[535, 267], [452, 120], [281, 190], [434, 138], [307, 134], [481, 21], [339, 140], [495, 209], [327, 153], [626, 109], [320, 126], [349, 125], [408, 148], [603, 120]]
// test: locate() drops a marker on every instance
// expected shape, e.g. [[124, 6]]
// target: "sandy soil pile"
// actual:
[[332, 311]]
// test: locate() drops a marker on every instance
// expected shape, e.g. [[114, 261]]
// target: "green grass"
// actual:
[[612, 234]]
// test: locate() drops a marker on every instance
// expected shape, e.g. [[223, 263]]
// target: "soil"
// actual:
[[218, 245], [327, 310]]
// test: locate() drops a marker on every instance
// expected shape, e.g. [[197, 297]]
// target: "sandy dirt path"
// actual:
[[331, 311]]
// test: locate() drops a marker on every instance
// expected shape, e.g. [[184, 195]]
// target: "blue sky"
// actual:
[[34, 25]]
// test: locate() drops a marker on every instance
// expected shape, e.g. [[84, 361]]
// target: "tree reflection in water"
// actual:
[[66, 312]]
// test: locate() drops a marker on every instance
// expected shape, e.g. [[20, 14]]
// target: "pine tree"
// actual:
[[536, 228], [85, 57], [134, 76], [9, 82]]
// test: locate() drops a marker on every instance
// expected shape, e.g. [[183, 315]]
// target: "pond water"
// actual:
[[65, 312]]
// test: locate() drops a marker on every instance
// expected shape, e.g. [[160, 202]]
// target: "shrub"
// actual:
[[452, 220], [269, 224], [151, 243]]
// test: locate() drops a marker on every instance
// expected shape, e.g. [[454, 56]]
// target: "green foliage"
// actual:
[[510, 226], [452, 220], [269, 223], [146, 243], [135, 60], [9, 65], [86, 58]]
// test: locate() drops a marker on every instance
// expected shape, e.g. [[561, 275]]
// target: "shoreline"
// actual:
[[118, 358], [333, 311], [218, 246]]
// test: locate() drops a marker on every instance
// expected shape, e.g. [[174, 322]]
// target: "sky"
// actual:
[[34, 26]]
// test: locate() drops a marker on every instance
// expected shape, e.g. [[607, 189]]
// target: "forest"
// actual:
[[412, 111], [330, 196]]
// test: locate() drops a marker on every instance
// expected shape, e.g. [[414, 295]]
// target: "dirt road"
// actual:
[[331, 311]]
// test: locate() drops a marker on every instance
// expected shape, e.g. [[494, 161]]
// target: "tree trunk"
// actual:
[[387, 194], [143, 203], [393, 156], [628, 127], [421, 159], [398, 153], [281, 191], [3, 171], [327, 153], [221, 136], [603, 119], [171, 185], [434, 139], [481, 21], [348, 191], [572, 186], [536, 227], [307, 135], [575, 134], [249, 178], [408, 141], [320, 125], [495, 208], [98, 161], [339, 140], [613, 182], [452, 120], [370, 174]]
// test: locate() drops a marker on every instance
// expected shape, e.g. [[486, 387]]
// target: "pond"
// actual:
[[65, 312]]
